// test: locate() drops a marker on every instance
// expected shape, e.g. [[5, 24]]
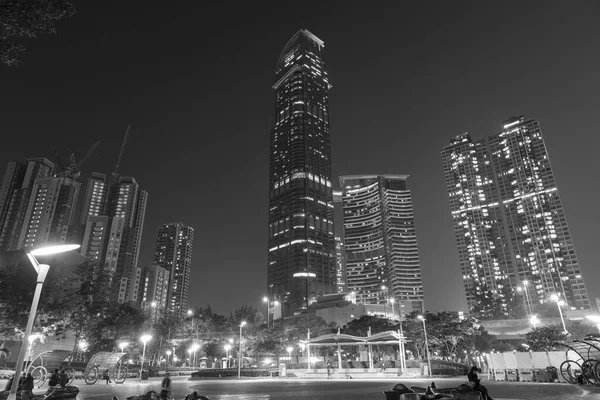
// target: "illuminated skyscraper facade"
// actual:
[[301, 250], [340, 266], [15, 193], [509, 221], [174, 254], [380, 241]]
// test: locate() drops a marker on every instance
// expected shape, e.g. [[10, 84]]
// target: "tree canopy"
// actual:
[[28, 19]]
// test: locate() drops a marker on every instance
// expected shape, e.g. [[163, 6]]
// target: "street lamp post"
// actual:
[[240, 355], [227, 347], [144, 340], [266, 300], [401, 344], [426, 345], [195, 347], [558, 304], [42, 272], [526, 289], [289, 350], [168, 352]]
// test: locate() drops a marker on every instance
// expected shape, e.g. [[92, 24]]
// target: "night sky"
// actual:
[[194, 81]]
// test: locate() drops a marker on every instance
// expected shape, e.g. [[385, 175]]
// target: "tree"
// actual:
[[28, 19], [545, 338], [360, 326]]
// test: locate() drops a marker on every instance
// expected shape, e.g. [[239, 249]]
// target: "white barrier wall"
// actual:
[[522, 365]]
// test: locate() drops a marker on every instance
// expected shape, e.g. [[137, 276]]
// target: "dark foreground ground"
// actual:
[[305, 389]]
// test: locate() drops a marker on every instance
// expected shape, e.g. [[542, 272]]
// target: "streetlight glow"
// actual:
[[122, 345], [45, 251]]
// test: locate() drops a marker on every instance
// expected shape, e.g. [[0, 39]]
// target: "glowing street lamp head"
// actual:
[[243, 323], [195, 346], [122, 345], [265, 299], [534, 319], [145, 338], [168, 352], [554, 297], [230, 340], [290, 349], [190, 313], [45, 251], [422, 318], [275, 303], [153, 304], [227, 347], [525, 283], [392, 301], [519, 289]]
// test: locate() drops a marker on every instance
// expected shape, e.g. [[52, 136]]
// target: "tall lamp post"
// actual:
[[401, 344], [240, 355], [426, 345], [289, 350], [42, 272], [168, 352], [559, 303], [526, 289], [266, 300], [227, 347], [144, 339]]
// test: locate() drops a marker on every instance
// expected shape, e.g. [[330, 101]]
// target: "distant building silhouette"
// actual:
[[380, 242], [154, 289], [301, 246], [174, 253], [509, 221]]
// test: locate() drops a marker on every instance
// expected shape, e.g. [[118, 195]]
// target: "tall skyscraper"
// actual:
[[509, 220], [127, 210], [174, 254], [15, 192], [301, 246], [380, 241], [340, 266], [154, 290], [51, 209], [95, 198]]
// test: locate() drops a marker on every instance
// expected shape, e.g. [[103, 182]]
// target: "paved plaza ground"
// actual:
[[321, 389]]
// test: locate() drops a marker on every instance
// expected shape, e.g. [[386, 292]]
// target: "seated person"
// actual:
[[472, 376]]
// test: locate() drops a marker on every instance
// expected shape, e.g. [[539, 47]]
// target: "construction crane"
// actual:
[[115, 171], [73, 169]]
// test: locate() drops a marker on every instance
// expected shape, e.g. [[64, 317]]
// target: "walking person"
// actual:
[[329, 370], [473, 377], [166, 386]]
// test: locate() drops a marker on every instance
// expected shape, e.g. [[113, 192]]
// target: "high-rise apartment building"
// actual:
[[174, 254], [509, 221], [51, 208], [154, 288], [340, 266], [95, 197], [15, 192], [301, 246], [127, 210], [380, 241]]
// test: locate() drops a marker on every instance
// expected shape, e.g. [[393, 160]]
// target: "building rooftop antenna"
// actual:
[[115, 171]]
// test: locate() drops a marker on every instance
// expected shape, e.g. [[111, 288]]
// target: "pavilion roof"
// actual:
[[387, 337]]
